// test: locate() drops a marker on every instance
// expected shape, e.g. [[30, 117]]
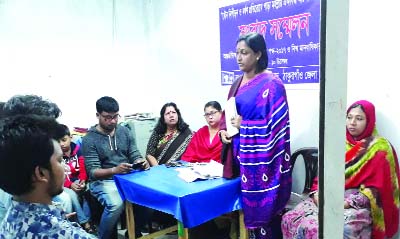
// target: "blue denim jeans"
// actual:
[[82, 211], [107, 194], [64, 200]]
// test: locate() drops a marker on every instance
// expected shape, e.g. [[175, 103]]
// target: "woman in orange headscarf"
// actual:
[[371, 184]]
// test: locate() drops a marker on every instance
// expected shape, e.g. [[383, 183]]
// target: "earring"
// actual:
[[257, 58]]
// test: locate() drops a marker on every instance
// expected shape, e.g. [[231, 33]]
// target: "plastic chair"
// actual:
[[310, 157]]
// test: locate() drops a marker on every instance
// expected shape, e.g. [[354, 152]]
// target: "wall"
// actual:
[[69, 52], [372, 62], [373, 52], [74, 51], [143, 53]]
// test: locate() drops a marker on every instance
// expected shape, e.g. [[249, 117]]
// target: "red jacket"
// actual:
[[76, 165]]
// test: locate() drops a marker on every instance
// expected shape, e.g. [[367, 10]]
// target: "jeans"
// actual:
[[65, 200], [107, 194], [82, 211]]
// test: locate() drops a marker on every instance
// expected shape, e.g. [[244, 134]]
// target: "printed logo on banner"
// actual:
[[227, 77], [291, 29]]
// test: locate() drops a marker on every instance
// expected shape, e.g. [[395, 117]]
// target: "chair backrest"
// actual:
[[310, 156]]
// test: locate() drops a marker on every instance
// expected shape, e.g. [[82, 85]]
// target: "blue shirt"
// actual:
[[5, 203], [39, 221], [6, 200]]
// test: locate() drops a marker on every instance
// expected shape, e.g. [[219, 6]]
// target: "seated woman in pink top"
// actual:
[[205, 144]]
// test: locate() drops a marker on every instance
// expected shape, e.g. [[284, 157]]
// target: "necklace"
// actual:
[[169, 132], [166, 137]]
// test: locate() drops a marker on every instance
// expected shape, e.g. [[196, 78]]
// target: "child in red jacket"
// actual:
[[75, 178]]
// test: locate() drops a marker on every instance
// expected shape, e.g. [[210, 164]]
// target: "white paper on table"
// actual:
[[196, 171], [188, 175], [212, 169], [231, 112]]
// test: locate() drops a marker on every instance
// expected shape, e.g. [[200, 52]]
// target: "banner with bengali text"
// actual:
[[291, 29]]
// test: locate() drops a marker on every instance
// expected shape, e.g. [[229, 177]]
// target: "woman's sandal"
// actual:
[[89, 228]]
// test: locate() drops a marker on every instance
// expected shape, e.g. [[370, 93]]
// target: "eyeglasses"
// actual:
[[212, 113], [111, 117]]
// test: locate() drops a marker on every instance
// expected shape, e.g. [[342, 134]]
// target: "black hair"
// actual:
[[107, 104], [257, 43], [213, 104], [26, 142], [2, 112], [61, 131], [355, 106], [161, 126], [31, 104]]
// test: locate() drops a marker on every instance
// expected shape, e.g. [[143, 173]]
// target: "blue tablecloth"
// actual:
[[191, 203]]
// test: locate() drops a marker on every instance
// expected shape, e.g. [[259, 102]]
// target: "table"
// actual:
[[190, 203]]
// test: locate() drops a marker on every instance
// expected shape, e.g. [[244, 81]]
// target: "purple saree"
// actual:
[[263, 150]]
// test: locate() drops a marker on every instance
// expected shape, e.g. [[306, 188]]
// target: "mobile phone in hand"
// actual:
[[137, 165]]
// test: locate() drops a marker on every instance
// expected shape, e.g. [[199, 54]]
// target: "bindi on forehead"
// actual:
[[243, 50]]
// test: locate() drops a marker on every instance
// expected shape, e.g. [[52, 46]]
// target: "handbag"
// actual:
[[231, 168]]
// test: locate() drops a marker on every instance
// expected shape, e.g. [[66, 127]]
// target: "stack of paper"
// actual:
[[231, 112], [195, 171]]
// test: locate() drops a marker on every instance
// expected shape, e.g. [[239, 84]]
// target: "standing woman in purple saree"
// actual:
[[262, 147]]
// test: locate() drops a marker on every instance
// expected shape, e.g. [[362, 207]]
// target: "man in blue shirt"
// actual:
[[32, 171], [30, 104]]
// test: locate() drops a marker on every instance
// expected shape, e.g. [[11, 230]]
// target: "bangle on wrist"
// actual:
[[112, 170]]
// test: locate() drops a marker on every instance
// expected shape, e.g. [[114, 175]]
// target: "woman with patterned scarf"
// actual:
[[371, 204], [170, 137]]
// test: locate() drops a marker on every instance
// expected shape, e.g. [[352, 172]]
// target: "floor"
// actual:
[[121, 235]]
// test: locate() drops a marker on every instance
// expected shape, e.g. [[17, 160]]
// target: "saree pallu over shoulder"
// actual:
[[263, 149], [174, 149], [200, 149], [375, 165]]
